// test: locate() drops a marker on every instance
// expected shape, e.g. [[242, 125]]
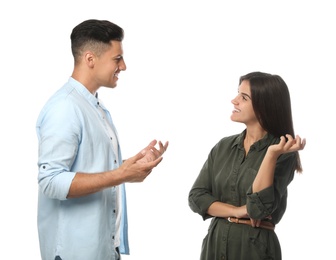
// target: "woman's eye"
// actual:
[[243, 97]]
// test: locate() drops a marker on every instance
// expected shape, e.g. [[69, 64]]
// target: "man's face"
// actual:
[[108, 65]]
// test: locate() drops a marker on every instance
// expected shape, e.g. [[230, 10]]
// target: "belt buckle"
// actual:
[[233, 220]]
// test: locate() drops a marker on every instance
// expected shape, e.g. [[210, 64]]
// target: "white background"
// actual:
[[184, 60]]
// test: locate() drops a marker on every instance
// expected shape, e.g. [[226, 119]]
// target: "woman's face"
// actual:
[[243, 111]]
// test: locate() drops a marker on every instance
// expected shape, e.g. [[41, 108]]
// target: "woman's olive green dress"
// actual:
[[227, 176]]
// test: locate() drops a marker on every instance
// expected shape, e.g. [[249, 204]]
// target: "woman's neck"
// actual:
[[253, 136]]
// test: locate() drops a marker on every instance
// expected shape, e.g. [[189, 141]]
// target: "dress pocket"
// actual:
[[259, 241]]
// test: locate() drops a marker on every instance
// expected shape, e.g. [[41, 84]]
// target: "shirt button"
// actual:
[[115, 161]]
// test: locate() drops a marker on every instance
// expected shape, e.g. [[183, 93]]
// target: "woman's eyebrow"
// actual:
[[245, 95]]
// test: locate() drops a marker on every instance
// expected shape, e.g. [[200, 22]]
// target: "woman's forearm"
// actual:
[[265, 175], [224, 210]]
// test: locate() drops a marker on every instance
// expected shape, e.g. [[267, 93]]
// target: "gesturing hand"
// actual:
[[152, 153], [138, 167], [289, 145]]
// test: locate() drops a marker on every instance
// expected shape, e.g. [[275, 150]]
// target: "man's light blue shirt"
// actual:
[[73, 138]]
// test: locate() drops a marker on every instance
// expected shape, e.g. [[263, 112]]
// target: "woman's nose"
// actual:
[[234, 101]]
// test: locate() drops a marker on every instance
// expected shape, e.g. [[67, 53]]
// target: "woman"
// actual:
[[242, 185]]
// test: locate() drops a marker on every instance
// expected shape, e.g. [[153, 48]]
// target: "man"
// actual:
[[82, 210]]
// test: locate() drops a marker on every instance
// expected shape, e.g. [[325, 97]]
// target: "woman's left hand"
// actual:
[[288, 144]]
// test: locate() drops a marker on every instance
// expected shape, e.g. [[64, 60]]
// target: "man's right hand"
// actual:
[[138, 167]]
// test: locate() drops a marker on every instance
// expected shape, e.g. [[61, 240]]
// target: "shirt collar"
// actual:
[[261, 144], [83, 91]]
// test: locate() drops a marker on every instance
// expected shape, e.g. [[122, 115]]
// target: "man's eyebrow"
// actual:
[[118, 56]]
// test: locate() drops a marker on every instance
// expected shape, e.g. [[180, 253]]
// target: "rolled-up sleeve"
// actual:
[[58, 142], [273, 200]]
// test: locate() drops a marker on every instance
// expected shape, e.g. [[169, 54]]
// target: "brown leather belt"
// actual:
[[263, 224]]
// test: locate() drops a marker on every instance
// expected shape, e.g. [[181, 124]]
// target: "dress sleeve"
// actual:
[[200, 195], [273, 200]]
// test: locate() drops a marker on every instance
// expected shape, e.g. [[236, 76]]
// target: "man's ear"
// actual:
[[89, 59]]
